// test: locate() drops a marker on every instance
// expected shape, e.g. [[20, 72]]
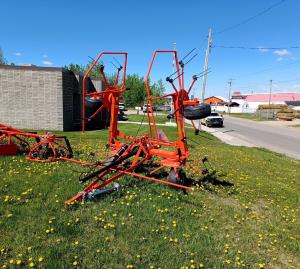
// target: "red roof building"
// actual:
[[215, 100], [275, 97]]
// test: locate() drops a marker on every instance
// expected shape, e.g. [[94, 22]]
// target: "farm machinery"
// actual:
[[37, 147], [145, 157], [142, 156]]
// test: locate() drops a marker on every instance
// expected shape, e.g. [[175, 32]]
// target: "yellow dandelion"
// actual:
[[227, 261]]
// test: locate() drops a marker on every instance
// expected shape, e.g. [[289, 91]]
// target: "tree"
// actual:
[[158, 89], [95, 73], [2, 59], [75, 68], [136, 95]]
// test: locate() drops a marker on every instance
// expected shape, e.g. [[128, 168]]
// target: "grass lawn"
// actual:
[[251, 223], [142, 117], [249, 116]]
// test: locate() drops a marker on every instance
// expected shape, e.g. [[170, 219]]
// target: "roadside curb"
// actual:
[[225, 137]]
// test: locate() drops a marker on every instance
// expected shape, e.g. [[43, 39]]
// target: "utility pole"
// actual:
[[270, 94], [208, 49], [271, 84], [229, 95]]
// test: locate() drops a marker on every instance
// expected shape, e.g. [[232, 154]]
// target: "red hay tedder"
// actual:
[[140, 156], [152, 151]]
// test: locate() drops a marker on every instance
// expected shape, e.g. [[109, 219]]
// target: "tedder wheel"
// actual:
[[178, 177]]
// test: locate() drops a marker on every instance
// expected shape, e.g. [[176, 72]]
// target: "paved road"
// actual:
[[281, 139]]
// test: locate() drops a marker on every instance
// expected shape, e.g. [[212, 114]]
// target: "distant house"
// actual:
[[215, 100], [249, 102], [253, 100]]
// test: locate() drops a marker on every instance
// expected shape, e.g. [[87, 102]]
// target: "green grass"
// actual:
[[296, 126], [142, 117], [248, 116], [251, 224]]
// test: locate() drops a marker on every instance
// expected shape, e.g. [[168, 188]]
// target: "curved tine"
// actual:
[[117, 61], [53, 149], [188, 54], [113, 64], [36, 146], [191, 59]]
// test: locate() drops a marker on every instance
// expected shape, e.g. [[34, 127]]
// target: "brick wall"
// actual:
[[43, 98], [31, 97], [71, 100]]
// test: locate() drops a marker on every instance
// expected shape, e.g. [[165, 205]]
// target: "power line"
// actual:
[[250, 18], [262, 85], [256, 48], [287, 81]]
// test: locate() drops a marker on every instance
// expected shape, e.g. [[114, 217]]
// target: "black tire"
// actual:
[[197, 113]]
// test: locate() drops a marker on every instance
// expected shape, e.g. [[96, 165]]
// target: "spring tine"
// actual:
[[117, 62], [114, 65], [188, 54], [191, 59]]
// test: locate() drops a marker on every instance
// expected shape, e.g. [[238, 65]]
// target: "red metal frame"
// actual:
[[180, 100], [38, 147], [127, 156], [110, 96]]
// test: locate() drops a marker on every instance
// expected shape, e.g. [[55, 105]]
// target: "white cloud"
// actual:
[[282, 52], [47, 62], [279, 59], [18, 53], [261, 49], [45, 56]]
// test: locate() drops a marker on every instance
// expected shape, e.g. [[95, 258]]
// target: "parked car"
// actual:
[[122, 116], [214, 119], [146, 107], [163, 108], [122, 107]]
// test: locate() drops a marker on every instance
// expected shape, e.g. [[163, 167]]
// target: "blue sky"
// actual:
[[56, 33]]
